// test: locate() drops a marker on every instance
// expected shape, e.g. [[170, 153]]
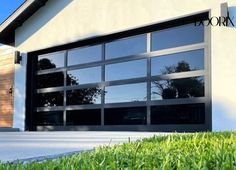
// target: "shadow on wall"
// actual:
[[232, 15], [19, 94], [51, 9], [223, 116]]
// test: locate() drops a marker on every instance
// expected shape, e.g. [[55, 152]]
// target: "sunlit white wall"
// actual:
[[224, 75], [64, 21]]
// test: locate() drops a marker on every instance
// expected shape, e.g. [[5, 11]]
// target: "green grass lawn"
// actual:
[[186, 151]]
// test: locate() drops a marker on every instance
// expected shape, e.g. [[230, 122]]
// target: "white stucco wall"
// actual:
[[72, 20], [19, 94], [224, 78]]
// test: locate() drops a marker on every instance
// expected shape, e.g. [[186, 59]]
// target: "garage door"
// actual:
[[6, 89], [132, 82]]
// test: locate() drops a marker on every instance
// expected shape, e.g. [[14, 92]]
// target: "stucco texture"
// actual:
[[72, 20]]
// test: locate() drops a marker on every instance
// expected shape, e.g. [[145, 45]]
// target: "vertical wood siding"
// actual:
[[6, 82]]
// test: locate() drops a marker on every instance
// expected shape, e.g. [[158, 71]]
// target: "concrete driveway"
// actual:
[[27, 146]]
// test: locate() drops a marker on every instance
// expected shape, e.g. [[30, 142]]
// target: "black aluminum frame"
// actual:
[[31, 66]]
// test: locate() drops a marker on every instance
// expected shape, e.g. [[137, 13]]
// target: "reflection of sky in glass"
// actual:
[[125, 47], [84, 55], [195, 59], [55, 58], [158, 87], [126, 70], [126, 93], [174, 37], [87, 75]]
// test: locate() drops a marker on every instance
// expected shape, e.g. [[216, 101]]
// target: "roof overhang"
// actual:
[[8, 27]]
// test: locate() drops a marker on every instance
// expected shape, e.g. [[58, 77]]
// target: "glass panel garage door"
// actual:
[[153, 81]]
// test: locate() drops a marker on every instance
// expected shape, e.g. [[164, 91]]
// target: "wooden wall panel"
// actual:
[[6, 82]]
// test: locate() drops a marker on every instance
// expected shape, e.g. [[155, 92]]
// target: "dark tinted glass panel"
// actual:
[[50, 61], [126, 93], [49, 118], [50, 99], [50, 80], [84, 76], [179, 62], [125, 116], [126, 70], [178, 88], [84, 96], [178, 114], [84, 55], [83, 117], [178, 36], [125, 47]]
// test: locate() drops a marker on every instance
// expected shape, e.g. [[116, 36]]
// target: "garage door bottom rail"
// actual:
[[151, 128]]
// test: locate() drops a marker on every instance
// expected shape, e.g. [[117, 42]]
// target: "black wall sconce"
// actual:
[[18, 57]]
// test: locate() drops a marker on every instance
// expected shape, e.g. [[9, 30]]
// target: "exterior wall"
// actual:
[[6, 82], [72, 20], [19, 94], [224, 77]]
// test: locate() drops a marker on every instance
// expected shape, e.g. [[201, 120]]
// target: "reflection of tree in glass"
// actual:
[[45, 64], [50, 99], [82, 96], [179, 88]]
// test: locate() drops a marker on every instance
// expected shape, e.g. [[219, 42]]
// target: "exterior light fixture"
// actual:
[[18, 57]]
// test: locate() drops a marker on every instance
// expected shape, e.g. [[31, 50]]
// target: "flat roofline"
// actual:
[[8, 27]]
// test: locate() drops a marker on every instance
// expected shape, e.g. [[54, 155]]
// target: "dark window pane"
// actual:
[[84, 55], [125, 47], [179, 62], [54, 118], [83, 117], [178, 88], [50, 80], [178, 114], [84, 96], [49, 61], [125, 116], [126, 93], [84, 76], [177, 36], [50, 99], [126, 70]]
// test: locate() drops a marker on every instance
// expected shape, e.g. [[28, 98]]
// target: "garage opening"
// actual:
[[154, 78]]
